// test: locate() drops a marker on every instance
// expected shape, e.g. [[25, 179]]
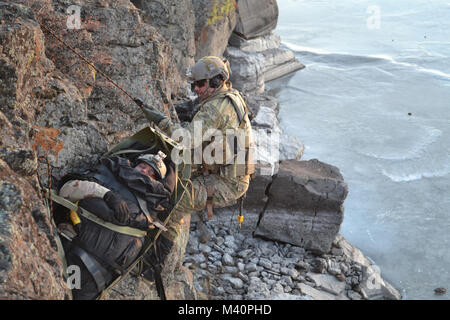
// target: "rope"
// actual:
[[88, 62]]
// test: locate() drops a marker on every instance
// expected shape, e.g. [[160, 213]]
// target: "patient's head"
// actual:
[[152, 165]]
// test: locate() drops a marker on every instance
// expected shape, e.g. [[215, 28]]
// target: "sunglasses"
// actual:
[[198, 83]]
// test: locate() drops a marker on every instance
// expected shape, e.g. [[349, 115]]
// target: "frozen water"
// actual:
[[376, 103]]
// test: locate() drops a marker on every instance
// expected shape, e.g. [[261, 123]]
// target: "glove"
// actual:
[[139, 102], [150, 113], [118, 205]]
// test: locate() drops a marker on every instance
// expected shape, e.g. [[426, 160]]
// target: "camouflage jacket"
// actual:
[[218, 120]]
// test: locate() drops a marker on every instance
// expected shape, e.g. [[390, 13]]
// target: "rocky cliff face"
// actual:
[[57, 114], [56, 108]]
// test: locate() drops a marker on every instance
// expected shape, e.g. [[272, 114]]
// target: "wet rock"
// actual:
[[371, 286], [440, 291]]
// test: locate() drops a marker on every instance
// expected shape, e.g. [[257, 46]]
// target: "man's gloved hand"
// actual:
[[150, 113], [139, 102], [118, 205]]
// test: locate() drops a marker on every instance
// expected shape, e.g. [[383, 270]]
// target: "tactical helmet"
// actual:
[[156, 162], [208, 67]]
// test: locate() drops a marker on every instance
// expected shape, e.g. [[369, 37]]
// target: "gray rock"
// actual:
[[314, 293], [254, 260], [276, 259], [204, 248], [314, 222], [318, 265], [219, 291], [212, 30], [236, 283], [227, 260], [229, 251], [219, 241], [297, 250], [196, 258], [256, 17], [287, 281], [239, 237], [165, 15], [257, 289], [265, 263], [354, 295], [302, 265], [333, 267], [230, 269], [277, 288], [243, 277], [327, 283], [344, 268], [291, 147], [372, 286], [337, 251], [266, 118], [254, 274], [244, 253], [241, 266], [251, 267]]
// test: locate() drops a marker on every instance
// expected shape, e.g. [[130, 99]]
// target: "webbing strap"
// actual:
[[92, 265], [121, 229]]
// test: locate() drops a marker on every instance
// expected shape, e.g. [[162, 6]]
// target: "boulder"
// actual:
[[266, 118], [256, 17], [247, 70], [291, 147], [305, 205], [372, 285], [214, 23], [259, 60], [256, 101]]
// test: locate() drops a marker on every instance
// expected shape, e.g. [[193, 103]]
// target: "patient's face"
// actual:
[[146, 169]]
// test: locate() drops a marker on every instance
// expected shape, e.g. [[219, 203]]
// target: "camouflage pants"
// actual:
[[226, 192]]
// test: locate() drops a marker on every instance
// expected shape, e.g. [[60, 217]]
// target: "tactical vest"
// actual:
[[240, 161]]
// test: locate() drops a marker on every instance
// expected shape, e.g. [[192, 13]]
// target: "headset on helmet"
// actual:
[[210, 67], [156, 162]]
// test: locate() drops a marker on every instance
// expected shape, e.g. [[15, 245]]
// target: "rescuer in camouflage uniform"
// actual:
[[221, 107]]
